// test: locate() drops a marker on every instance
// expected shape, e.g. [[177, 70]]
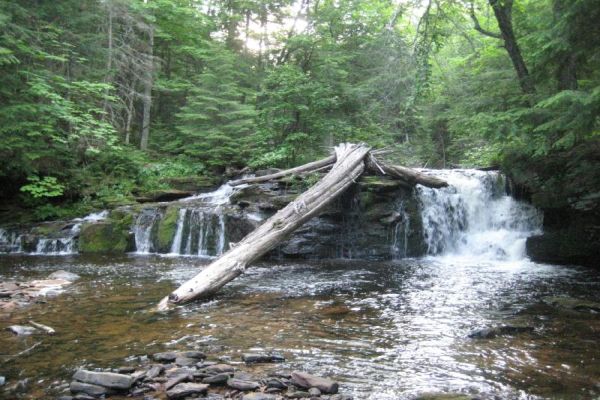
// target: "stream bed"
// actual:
[[383, 329]]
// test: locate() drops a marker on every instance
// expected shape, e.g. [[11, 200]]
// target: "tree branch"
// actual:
[[478, 27]]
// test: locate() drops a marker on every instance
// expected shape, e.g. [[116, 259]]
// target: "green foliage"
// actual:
[[41, 188]]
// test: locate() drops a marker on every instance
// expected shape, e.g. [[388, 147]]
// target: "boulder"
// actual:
[[307, 381], [105, 379], [22, 330], [165, 357], [218, 379], [186, 389], [242, 385], [89, 389], [64, 275]]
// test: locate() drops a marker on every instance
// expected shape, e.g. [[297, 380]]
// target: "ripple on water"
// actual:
[[386, 330]]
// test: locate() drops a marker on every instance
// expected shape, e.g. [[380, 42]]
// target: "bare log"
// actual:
[[408, 175], [310, 167], [348, 166]]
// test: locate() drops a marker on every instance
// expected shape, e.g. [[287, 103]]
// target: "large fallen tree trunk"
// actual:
[[310, 167], [348, 166], [408, 175]]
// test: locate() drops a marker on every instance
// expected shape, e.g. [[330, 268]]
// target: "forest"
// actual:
[[103, 101]]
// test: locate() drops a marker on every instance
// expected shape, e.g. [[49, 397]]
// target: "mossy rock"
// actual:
[[166, 229], [104, 237]]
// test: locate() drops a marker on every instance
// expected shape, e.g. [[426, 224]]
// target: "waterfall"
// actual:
[[200, 232], [399, 246], [10, 242], [143, 229], [474, 217], [58, 246]]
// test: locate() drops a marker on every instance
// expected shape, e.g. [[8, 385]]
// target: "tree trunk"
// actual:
[[147, 98], [348, 167], [503, 13], [313, 166]]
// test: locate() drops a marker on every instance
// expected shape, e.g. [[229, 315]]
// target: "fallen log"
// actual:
[[408, 175], [349, 165], [302, 169]]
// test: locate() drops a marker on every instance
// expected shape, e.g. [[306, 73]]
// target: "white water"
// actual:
[[218, 197], [142, 230], [399, 247], [199, 232], [474, 218]]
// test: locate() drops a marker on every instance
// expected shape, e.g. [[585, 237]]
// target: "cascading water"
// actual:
[[10, 242], [199, 232], [142, 229], [473, 217], [399, 246]]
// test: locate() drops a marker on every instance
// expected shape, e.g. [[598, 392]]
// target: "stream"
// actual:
[[384, 329]]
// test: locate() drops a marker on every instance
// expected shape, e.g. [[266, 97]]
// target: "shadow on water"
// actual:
[[386, 330]]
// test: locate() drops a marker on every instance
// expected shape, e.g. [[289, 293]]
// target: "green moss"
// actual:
[[103, 237], [166, 229]]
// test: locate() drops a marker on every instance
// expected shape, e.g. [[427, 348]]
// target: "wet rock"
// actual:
[[22, 330], [490, 333], [64, 275], [165, 357], [179, 371], [314, 391], [304, 380], [570, 303], [259, 396], [106, 379], [242, 385], [276, 383], [89, 389], [218, 379], [187, 389], [2, 380], [252, 358], [125, 370]]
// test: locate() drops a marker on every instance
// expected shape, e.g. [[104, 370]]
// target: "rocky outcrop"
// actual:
[[565, 185]]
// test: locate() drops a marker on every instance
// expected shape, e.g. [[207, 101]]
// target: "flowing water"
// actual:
[[385, 330]]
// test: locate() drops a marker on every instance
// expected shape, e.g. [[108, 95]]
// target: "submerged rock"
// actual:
[[570, 303], [490, 333], [254, 358], [218, 379], [22, 330], [259, 396], [307, 381], [106, 379], [64, 275]]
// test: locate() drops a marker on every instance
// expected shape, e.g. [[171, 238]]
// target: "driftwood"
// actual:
[[348, 163], [310, 167]]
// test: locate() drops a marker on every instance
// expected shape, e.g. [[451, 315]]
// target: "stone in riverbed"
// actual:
[[490, 333], [242, 385], [89, 389], [64, 275], [192, 354], [307, 381], [219, 379], [106, 379], [177, 380], [185, 361], [186, 389], [297, 395], [252, 358], [155, 371], [218, 368], [314, 392], [168, 356], [259, 396], [276, 383], [22, 330]]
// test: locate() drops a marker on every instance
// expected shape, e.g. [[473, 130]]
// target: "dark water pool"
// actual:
[[385, 330]]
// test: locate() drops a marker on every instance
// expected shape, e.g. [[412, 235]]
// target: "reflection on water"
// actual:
[[386, 330]]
